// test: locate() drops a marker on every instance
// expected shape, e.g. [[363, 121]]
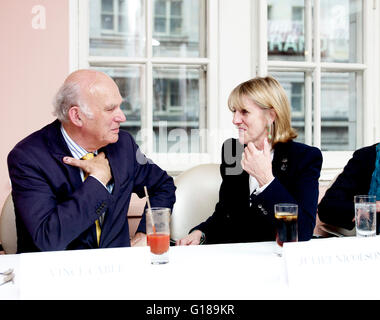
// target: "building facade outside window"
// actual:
[[340, 33], [176, 61], [156, 51]]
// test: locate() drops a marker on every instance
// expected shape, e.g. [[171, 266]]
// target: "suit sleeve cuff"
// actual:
[[99, 181], [262, 188]]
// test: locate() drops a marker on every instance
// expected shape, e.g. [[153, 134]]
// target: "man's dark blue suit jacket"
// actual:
[[337, 206], [55, 210]]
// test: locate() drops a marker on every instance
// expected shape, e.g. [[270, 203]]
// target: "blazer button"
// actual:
[[260, 206]]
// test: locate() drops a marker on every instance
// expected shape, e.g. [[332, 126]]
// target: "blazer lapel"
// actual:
[[280, 165], [241, 189], [118, 175], [59, 149]]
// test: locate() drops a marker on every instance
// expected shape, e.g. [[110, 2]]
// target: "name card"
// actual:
[[341, 267], [81, 274]]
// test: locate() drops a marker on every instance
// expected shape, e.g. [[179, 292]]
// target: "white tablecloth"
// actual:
[[317, 269], [233, 271]]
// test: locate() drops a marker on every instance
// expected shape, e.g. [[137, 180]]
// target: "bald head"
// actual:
[[88, 105], [77, 89], [87, 79]]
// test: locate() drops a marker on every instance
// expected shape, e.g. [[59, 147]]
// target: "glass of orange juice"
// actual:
[[158, 234]]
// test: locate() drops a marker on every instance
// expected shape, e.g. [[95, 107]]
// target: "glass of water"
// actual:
[[365, 215]]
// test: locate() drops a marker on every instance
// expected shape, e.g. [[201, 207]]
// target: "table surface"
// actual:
[[225, 271]]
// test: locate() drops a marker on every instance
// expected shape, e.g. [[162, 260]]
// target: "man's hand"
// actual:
[[193, 238], [97, 167], [139, 240]]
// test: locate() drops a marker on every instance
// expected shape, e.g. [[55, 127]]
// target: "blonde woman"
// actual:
[[261, 168]]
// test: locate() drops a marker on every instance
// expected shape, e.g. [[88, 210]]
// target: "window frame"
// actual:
[[237, 42], [334, 161], [80, 59], [168, 21]]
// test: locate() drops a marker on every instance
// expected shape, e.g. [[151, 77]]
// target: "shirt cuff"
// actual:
[[262, 188], [99, 181]]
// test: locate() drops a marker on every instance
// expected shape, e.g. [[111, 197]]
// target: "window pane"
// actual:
[[123, 24], [160, 24], [124, 38], [179, 28], [176, 7], [338, 111], [340, 30], [175, 26], [130, 82], [107, 6], [286, 30], [179, 110], [160, 7], [107, 22], [294, 85], [123, 6]]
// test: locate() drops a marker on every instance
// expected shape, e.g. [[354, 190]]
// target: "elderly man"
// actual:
[[72, 180]]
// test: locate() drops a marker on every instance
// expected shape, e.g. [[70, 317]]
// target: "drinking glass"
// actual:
[[158, 234], [365, 215], [286, 215]]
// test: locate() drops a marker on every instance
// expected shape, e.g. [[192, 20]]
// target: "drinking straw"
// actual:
[[149, 210]]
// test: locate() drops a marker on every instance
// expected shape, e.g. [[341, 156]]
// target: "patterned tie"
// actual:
[[89, 156]]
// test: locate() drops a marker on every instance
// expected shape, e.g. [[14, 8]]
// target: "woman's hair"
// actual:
[[267, 93], [67, 96]]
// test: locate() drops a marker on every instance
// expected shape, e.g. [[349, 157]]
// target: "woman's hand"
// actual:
[[258, 163], [193, 238]]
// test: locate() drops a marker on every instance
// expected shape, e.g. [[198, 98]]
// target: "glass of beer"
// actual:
[[286, 215], [158, 234]]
